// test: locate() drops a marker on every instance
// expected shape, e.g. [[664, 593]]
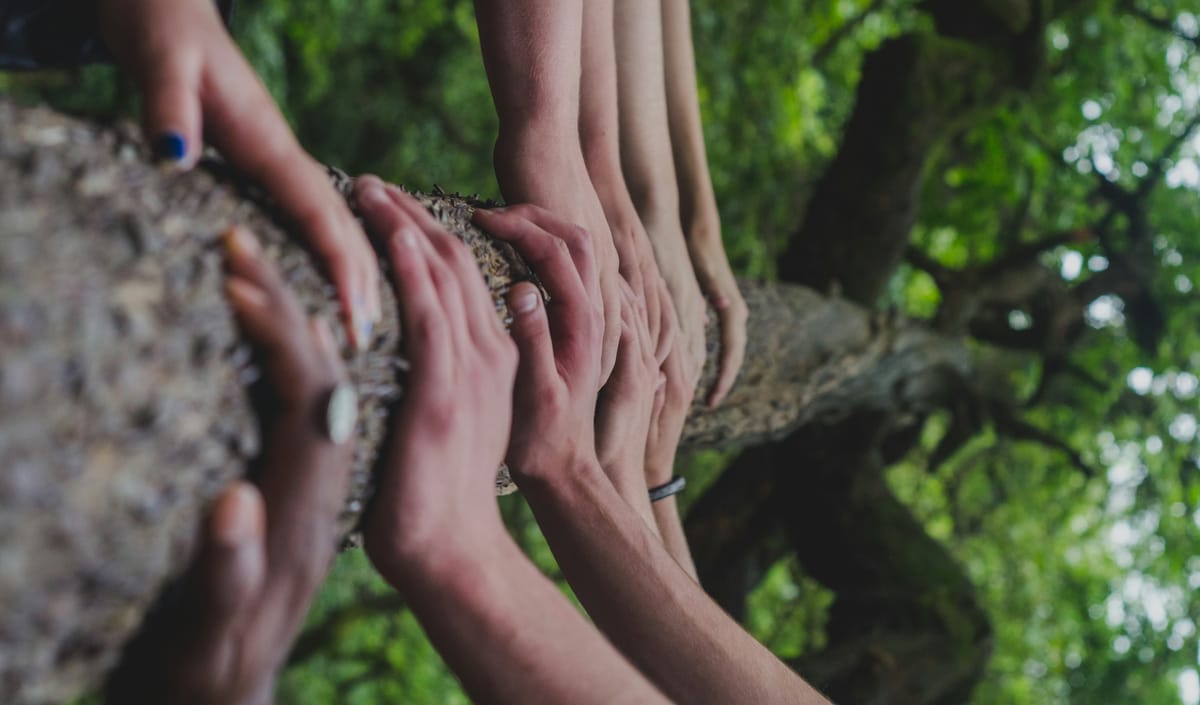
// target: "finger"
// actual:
[[623, 379], [660, 398], [669, 323], [458, 278], [327, 348], [245, 258], [246, 125], [654, 320], [265, 308], [612, 332], [536, 369], [549, 256], [383, 216], [170, 86], [223, 590], [423, 324], [733, 351], [577, 239]]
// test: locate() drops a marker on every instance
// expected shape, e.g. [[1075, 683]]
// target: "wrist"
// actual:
[[579, 472], [537, 132], [428, 548]]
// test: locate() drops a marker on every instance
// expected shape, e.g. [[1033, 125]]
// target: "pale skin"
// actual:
[[196, 86], [599, 132], [697, 202], [434, 530], [632, 587], [531, 50], [646, 161]]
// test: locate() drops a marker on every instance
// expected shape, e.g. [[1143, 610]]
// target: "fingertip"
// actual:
[[524, 299], [361, 326], [323, 334], [238, 516], [171, 147], [172, 113], [245, 296], [239, 242], [370, 194]]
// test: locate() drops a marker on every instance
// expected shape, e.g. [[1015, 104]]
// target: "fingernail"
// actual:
[[527, 302], [240, 240], [407, 237], [373, 195], [362, 327], [170, 147], [662, 379], [237, 522]]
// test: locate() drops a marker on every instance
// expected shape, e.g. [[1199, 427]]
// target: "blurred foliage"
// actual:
[[1089, 581]]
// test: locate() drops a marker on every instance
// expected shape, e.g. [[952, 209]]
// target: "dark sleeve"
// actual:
[[40, 34]]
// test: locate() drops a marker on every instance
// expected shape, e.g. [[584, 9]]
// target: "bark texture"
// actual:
[[122, 410], [123, 402]]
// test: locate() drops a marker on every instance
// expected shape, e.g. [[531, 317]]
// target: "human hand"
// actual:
[[691, 313], [534, 167], [449, 434], [667, 421], [716, 280], [624, 409], [638, 268], [194, 83], [559, 342], [264, 549]]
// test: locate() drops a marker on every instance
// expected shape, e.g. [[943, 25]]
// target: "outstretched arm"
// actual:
[[636, 592], [531, 50], [599, 132], [267, 546], [197, 86], [434, 530], [697, 203], [649, 168]]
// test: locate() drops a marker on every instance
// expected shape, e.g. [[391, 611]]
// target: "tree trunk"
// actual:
[[122, 408]]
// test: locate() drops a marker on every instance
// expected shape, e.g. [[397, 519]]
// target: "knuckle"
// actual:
[[560, 250], [426, 327], [522, 210], [579, 238], [439, 415]]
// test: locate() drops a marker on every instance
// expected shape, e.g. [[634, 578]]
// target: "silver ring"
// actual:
[[341, 413]]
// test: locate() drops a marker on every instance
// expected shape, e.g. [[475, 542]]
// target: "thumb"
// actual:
[[231, 565], [222, 590], [531, 331], [171, 108]]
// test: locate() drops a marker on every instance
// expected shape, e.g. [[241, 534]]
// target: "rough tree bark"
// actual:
[[905, 627], [122, 408]]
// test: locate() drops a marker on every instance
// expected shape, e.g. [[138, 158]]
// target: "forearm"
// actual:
[[510, 635], [531, 54], [670, 528], [630, 484], [645, 140], [697, 203], [649, 607]]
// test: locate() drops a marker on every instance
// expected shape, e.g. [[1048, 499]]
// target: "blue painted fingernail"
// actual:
[[170, 147], [362, 328]]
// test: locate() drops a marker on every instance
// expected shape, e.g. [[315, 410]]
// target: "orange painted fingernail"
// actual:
[[240, 241], [236, 521]]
